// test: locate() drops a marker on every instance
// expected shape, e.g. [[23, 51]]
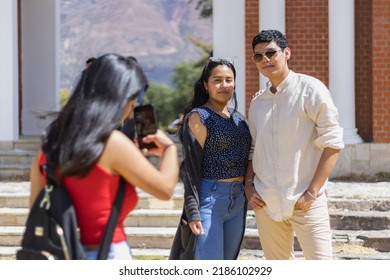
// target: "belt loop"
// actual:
[[215, 185]]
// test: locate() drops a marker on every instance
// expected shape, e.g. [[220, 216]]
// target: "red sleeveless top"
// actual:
[[93, 197]]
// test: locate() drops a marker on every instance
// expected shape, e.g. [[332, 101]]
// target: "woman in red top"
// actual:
[[91, 154]]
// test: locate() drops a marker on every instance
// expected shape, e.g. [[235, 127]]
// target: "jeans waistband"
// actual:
[[221, 187]]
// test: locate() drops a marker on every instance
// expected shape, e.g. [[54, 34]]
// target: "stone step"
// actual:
[[141, 217], [16, 157], [14, 172], [345, 253], [360, 220], [18, 200], [366, 204], [162, 238], [23, 144], [347, 220], [138, 218], [16, 194], [27, 144]]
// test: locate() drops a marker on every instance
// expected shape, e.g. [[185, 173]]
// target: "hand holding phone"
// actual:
[[145, 124]]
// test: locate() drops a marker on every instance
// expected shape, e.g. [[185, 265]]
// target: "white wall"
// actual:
[[9, 129], [40, 42], [229, 40], [272, 15], [342, 65]]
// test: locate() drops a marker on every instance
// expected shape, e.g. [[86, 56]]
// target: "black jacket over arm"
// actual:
[[190, 174]]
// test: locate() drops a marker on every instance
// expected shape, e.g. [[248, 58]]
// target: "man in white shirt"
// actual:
[[296, 140]]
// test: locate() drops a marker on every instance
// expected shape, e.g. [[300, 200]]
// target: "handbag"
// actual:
[[51, 231]]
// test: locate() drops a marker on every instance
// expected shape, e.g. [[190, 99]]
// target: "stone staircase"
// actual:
[[15, 159], [362, 232], [360, 223]]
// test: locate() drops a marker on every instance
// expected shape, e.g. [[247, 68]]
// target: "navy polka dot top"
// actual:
[[225, 152]]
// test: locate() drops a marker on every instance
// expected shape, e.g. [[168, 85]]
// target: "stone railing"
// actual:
[[363, 160]]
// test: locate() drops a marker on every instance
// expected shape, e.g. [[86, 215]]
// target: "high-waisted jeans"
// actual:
[[222, 211]]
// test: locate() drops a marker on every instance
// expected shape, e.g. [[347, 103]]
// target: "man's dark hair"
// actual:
[[267, 36]]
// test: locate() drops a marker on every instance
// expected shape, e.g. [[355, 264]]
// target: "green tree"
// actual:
[[186, 74], [64, 96], [184, 77], [170, 102], [162, 98], [205, 7]]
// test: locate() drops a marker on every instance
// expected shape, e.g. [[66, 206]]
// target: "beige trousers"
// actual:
[[312, 229]]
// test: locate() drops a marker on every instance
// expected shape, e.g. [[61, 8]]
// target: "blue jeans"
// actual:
[[118, 251], [222, 215]]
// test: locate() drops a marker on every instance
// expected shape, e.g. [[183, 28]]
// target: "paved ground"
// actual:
[[358, 190], [336, 189], [362, 191]]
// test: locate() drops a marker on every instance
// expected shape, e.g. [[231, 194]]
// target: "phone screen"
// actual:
[[145, 124]]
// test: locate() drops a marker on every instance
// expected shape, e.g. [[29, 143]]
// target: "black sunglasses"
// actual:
[[270, 54]]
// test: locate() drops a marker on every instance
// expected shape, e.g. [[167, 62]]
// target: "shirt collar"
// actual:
[[285, 83]]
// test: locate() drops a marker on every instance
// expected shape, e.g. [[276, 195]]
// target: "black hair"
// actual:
[[133, 58], [267, 36], [75, 140], [90, 60], [200, 94]]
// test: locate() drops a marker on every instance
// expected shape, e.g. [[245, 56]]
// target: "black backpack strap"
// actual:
[[114, 216], [51, 177]]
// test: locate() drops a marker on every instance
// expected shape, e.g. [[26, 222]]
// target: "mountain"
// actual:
[[154, 31]]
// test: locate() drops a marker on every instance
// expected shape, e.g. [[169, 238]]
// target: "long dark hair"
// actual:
[[75, 140], [200, 94]]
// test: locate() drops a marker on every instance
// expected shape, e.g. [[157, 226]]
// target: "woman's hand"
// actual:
[[161, 140], [196, 227]]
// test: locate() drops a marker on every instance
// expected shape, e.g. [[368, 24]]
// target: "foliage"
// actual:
[[64, 96], [169, 102], [205, 7], [161, 97], [207, 50], [185, 75], [383, 176]]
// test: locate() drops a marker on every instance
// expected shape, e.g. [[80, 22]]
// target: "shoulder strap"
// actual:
[[113, 219], [109, 231]]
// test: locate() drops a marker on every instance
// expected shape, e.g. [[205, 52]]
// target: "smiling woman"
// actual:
[[216, 141]]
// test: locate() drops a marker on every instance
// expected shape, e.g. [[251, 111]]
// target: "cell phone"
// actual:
[[145, 124]]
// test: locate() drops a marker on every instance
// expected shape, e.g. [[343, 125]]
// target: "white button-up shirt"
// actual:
[[289, 131]]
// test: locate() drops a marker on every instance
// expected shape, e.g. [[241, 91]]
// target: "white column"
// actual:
[[342, 65], [40, 62], [229, 40], [9, 128], [271, 16]]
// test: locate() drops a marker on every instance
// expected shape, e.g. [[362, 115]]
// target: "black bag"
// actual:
[[51, 229]]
